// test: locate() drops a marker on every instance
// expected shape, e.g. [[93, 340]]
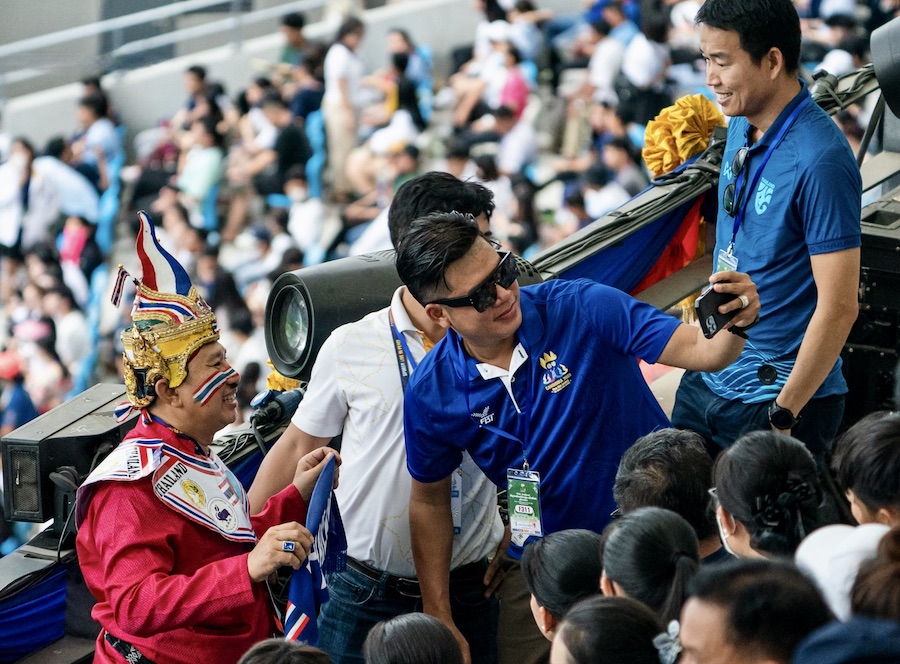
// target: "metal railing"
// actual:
[[21, 61]]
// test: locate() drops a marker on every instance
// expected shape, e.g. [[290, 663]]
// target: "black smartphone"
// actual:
[[707, 306]]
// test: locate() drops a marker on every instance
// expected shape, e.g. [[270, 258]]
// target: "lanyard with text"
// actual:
[[739, 215], [406, 363], [523, 485]]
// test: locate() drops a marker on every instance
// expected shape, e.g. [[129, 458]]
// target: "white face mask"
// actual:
[[723, 536]]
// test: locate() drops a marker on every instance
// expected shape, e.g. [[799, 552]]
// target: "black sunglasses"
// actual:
[[483, 296], [730, 201]]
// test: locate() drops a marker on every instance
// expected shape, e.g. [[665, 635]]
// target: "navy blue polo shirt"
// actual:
[[582, 400], [807, 202]]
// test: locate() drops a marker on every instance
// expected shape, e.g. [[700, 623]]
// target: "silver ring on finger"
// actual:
[[745, 301], [289, 547]]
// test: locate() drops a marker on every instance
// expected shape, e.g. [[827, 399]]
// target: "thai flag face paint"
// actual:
[[212, 385]]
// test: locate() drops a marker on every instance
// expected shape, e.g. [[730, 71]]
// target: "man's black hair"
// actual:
[[760, 25], [198, 71], [601, 27], [294, 20], [669, 468], [349, 26], [769, 606], [436, 192], [55, 147], [273, 98], [866, 460], [432, 243], [92, 82], [96, 103]]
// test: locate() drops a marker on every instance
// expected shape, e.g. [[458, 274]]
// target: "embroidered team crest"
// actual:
[[557, 376], [193, 492], [485, 417], [764, 195]]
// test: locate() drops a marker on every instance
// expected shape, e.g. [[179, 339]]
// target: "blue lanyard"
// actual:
[[405, 360], [461, 358], [739, 217]]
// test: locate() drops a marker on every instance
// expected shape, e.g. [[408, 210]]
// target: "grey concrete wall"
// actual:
[[145, 96]]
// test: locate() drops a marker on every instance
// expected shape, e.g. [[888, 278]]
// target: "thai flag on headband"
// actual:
[[307, 591], [161, 272]]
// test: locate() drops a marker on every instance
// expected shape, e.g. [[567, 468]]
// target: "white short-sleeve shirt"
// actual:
[[355, 388]]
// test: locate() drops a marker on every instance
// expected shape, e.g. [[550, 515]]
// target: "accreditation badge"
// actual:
[[456, 489], [524, 499], [727, 261]]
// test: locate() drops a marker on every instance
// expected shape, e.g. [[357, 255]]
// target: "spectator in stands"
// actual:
[[343, 74], [266, 170], [612, 630], [750, 611], [77, 195], [71, 327], [620, 158], [309, 82], [201, 164], [602, 194], [418, 66], [767, 495], [79, 247], [307, 215], [292, 51], [559, 571], [413, 638], [671, 468], [650, 554], [195, 86], [281, 651], [97, 143], [517, 147], [16, 406], [866, 463], [645, 65], [29, 206]]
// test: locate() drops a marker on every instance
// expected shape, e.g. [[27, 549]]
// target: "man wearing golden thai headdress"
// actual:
[[165, 541]]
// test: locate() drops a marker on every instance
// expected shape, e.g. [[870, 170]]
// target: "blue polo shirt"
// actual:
[[581, 398], [807, 202]]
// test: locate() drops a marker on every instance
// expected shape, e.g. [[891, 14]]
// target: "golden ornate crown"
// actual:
[[170, 320]]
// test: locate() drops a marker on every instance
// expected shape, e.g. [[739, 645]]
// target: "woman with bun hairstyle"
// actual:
[[559, 570], [876, 592], [649, 555], [767, 495]]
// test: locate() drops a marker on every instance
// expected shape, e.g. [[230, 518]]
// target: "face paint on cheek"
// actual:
[[212, 385]]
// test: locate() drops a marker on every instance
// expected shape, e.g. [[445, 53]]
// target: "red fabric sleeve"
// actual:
[[285, 506]]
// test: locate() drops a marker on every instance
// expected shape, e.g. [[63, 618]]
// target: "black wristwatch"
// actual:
[[781, 418]]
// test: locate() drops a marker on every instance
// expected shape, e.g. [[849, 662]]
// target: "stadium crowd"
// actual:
[[546, 114]]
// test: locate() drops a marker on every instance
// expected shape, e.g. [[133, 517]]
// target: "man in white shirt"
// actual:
[[356, 389]]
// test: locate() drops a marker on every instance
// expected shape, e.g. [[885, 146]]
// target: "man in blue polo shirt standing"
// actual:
[[539, 385], [789, 216]]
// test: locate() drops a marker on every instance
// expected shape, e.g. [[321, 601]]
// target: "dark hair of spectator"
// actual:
[[400, 61], [576, 199], [866, 460], [668, 468], [525, 6], [769, 606], [876, 592], [487, 167], [601, 27], [514, 51], [211, 129], [96, 103], [197, 71], [503, 113], [92, 82], [768, 482], [314, 60], [612, 630], [281, 651], [352, 25], [652, 553], [405, 36], [294, 20], [493, 11], [412, 638], [295, 172], [562, 569], [760, 24], [435, 192], [433, 243], [55, 147], [273, 99]]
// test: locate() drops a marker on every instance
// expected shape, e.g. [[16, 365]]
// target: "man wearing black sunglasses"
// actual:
[[789, 216], [540, 385]]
